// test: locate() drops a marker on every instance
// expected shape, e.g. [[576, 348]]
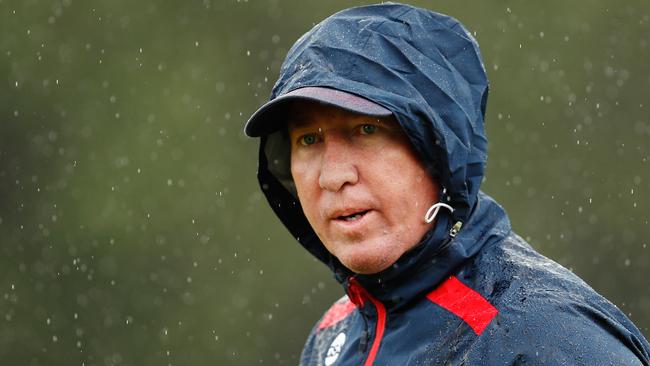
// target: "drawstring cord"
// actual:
[[432, 212]]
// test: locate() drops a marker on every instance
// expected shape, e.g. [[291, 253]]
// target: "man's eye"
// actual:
[[368, 129], [308, 139]]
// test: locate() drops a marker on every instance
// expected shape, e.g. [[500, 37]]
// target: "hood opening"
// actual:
[[425, 68]]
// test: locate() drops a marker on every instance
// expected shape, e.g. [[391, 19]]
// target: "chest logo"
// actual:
[[335, 349]]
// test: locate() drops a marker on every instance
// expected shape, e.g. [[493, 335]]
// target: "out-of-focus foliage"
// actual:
[[133, 231]]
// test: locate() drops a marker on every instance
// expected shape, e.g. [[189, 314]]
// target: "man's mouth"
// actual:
[[353, 217]]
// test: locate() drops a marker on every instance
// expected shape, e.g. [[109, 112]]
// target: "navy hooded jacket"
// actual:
[[481, 296]]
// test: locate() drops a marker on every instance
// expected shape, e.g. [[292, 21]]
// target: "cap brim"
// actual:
[[272, 115]]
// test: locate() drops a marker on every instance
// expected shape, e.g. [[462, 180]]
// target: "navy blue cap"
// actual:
[[271, 116]]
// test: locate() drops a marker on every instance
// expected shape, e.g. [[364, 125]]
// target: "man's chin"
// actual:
[[366, 266]]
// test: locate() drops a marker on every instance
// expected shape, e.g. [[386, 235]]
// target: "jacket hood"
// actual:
[[426, 69]]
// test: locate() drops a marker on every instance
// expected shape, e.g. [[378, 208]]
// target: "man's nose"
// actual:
[[338, 166]]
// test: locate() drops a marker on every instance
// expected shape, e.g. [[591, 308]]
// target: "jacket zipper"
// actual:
[[357, 295]]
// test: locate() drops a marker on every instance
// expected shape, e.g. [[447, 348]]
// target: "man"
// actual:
[[372, 152]]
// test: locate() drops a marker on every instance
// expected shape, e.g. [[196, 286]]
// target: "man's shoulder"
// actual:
[[512, 275], [512, 267], [330, 329], [336, 313], [548, 314]]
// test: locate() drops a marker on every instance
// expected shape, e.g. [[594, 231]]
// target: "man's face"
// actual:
[[361, 185]]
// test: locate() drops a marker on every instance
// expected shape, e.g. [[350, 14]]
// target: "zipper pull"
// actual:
[[455, 229], [363, 342]]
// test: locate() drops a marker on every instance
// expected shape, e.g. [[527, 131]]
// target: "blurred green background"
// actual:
[[133, 231]]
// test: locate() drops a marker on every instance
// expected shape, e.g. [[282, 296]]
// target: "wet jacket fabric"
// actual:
[[481, 296]]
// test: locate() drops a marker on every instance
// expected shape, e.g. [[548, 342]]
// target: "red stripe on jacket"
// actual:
[[339, 311], [465, 303]]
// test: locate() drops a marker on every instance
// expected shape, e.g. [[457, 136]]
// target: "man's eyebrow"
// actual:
[[298, 122]]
